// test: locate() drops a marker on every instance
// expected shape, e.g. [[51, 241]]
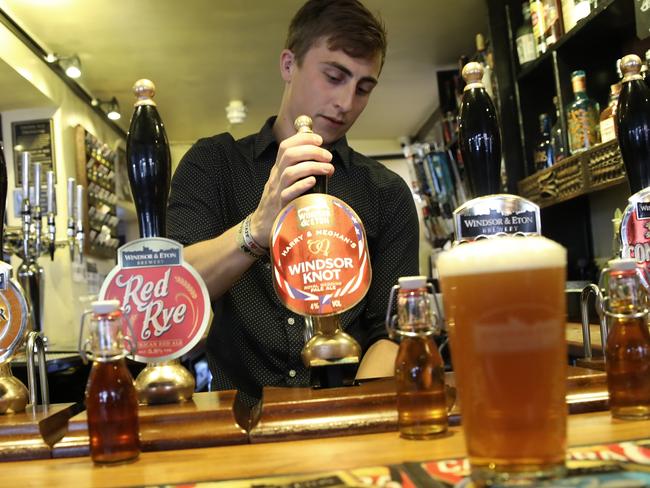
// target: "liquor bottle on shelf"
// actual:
[[567, 15], [538, 19], [557, 136], [582, 116], [608, 124], [627, 353], [633, 115], [484, 56], [553, 28], [525, 39], [543, 155], [581, 9]]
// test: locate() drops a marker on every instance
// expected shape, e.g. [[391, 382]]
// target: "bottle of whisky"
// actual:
[[581, 9], [557, 135], [567, 15], [582, 116], [484, 56], [633, 116], [608, 124], [538, 19], [525, 39], [553, 28], [543, 156]]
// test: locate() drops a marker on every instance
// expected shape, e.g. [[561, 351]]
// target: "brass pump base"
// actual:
[[330, 345], [164, 382], [13, 394], [331, 354]]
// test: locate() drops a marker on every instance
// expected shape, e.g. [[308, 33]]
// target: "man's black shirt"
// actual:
[[254, 340]]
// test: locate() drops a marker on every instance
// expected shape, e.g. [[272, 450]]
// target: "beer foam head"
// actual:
[[497, 254]]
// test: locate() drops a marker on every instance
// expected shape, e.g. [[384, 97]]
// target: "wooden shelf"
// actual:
[[592, 170]]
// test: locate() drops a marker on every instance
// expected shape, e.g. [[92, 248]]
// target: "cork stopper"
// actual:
[[473, 74], [303, 124], [631, 67], [144, 91]]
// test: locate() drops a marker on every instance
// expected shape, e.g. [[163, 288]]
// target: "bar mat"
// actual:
[[625, 464]]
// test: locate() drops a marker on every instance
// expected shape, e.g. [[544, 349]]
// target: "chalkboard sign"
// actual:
[[35, 137], [642, 15]]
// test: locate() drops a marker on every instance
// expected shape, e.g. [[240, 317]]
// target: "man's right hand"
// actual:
[[300, 158]]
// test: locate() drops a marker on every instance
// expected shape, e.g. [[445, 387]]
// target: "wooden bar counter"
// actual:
[[291, 457]]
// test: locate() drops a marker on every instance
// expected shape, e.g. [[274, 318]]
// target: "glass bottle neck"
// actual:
[[414, 312], [626, 295], [107, 338]]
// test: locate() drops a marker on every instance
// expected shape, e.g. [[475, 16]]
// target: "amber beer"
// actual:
[[505, 307]]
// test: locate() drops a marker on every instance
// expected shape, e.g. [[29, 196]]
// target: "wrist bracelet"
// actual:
[[246, 241]]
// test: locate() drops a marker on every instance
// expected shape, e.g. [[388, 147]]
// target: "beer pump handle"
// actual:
[[26, 214], [71, 196], [50, 192], [25, 158], [633, 118], [36, 209], [148, 162], [51, 213], [71, 222], [37, 190], [478, 131], [303, 125], [3, 201], [79, 236]]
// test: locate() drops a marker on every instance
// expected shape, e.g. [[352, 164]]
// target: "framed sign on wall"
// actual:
[[37, 138]]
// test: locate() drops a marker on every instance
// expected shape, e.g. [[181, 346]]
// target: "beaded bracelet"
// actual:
[[247, 242]]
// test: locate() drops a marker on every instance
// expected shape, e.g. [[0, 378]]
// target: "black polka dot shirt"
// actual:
[[254, 340]]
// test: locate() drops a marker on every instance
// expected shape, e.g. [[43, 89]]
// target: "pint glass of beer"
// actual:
[[505, 307]]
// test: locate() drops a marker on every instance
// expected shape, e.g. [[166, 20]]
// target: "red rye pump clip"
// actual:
[[321, 268]]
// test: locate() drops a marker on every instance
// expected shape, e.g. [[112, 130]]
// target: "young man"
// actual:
[[333, 56]]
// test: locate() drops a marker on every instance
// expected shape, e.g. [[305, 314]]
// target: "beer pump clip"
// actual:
[[320, 269], [496, 215], [635, 233]]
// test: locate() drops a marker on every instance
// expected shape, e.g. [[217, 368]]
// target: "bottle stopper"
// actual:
[[144, 91], [622, 264], [303, 124], [473, 74]]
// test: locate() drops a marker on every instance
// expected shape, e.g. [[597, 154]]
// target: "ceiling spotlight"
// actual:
[[72, 66], [114, 110], [236, 112], [51, 58], [110, 107]]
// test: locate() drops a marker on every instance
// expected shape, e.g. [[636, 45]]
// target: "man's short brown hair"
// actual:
[[346, 24]]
